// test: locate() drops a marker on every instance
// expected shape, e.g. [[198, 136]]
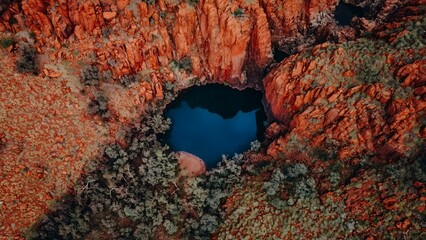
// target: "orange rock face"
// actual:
[[290, 18], [338, 106], [218, 41], [226, 41]]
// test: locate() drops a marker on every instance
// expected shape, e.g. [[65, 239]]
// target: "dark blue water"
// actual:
[[279, 55], [214, 119], [345, 12]]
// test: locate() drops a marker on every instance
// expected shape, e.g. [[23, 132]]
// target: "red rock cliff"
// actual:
[[139, 36], [353, 99], [224, 40]]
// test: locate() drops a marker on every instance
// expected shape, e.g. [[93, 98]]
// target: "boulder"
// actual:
[[191, 164], [109, 15]]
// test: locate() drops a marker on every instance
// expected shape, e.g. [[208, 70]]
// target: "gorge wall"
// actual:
[[343, 99], [225, 41]]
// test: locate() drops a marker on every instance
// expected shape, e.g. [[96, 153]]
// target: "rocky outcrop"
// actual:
[[293, 23], [218, 37], [353, 99], [226, 41], [191, 164]]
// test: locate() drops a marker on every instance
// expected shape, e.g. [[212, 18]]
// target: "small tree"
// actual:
[[185, 63], [27, 62], [127, 80], [239, 12], [99, 106], [91, 75], [6, 42]]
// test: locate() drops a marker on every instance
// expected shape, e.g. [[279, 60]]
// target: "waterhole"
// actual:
[[345, 12], [214, 120]]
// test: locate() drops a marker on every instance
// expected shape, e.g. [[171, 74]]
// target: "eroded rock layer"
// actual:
[[349, 157], [128, 37], [360, 97], [224, 40]]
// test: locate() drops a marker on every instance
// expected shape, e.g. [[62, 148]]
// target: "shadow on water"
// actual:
[[219, 99], [279, 55], [345, 12], [214, 119]]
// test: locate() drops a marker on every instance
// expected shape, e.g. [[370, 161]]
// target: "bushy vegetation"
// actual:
[[27, 62], [150, 2], [130, 194], [138, 192], [127, 80], [193, 2], [169, 92], [185, 64], [6, 42], [99, 106], [293, 180], [91, 75], [218, 185], [239, 12], [279, 202], [368, 59]]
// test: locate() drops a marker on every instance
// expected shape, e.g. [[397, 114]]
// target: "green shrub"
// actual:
[[137, 192], [6, 42], [106, 32], [255, 146], [218, 185], [334, 178], [150, 2], [297, 170], [185, 63], [32, 35], [239, 12], [293, 180], [193, 2], [273, 186], [127, 80], [131, 185], [169, 91], [304, 188], [99, 106], [27, 62], [91, 75]]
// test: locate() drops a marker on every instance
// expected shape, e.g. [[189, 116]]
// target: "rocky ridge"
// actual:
[[127, 37], [349, 157], [355, 98]]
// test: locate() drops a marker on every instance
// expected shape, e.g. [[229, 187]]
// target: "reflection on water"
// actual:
[[212, 120]]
